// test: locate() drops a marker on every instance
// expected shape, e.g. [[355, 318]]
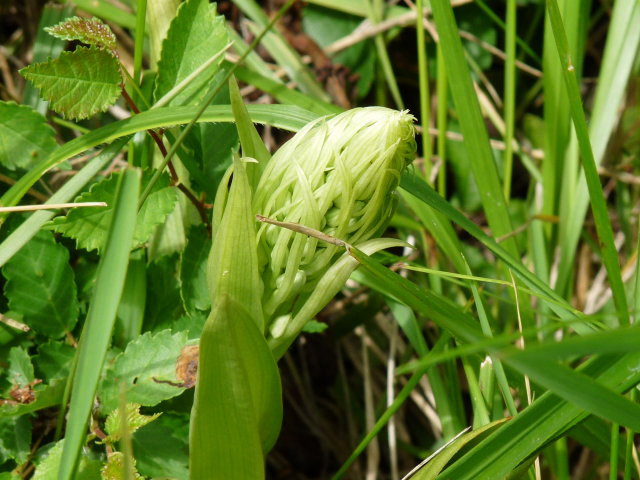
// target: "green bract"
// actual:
[[337, 175]]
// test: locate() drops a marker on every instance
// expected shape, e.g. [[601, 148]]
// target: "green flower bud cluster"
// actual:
[[336, 175]]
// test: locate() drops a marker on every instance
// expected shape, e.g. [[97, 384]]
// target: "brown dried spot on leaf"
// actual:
[[186, 368], [22, 395], [187, 365]]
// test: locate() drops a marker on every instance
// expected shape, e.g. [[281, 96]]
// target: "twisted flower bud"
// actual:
[[336, 175]]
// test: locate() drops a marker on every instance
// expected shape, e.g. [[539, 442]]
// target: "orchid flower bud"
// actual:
[[336, 175]]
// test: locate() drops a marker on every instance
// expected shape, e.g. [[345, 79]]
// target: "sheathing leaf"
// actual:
[[78, 84], [237, 410]]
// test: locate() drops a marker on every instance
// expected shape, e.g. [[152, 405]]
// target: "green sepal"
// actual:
[[233, 261], [237, 411]]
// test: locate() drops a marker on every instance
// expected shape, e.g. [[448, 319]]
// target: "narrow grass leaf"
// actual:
[[620, 54], [433, 465], [281, 116], [476, 139], [100, 318], [544, 420], [420, 189], [598, 202]]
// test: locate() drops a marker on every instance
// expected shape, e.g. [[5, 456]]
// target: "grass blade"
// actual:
[[100, 319]]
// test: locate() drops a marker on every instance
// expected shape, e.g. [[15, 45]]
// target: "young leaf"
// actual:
[[25, 136], [89, 226], [196, 34], [20, 372], [114, 469], [91, 31], [146, 368], [135, 420], [41, 287], [78, 84]]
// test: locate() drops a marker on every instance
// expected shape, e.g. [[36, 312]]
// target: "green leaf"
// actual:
[[135, 420], [326, 26], [288, 117], [162, 448], [53, 359], [233, 264], [20, 371], [25, 136], [237, 409], [89, 226], [163, 294], [147, 361], [193, 271], [46, 396], [41, 287], [48, 468], [98, 326], [78, 84], [212, 146], [432, 466], [114, 469], [15, 439], [196, 34], [91, 31], [250, 140]]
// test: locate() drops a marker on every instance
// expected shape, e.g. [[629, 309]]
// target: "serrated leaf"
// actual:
[[48, 468], [196, 34], [78, 84], [141, 368], [15, 439], [135, 420], [91, 31], [25, 136], [20, 371], [114, 468], [162, 449], [193, 271], [45, 396], [89, 226], [41, 287], [53, 359]]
